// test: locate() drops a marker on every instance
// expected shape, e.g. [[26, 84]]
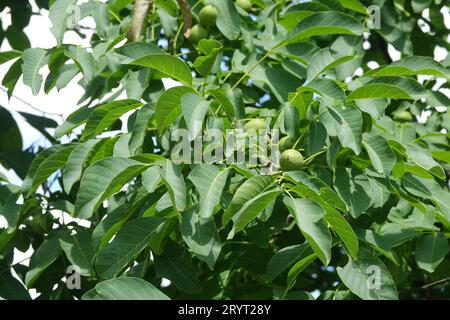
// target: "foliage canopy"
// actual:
[[365, 212]]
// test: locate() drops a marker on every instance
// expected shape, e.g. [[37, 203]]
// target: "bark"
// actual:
[[140, 12], [187, 17]]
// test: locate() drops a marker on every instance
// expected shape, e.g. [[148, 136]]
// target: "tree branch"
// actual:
[[426, 286], [187, 17], [140, 12]]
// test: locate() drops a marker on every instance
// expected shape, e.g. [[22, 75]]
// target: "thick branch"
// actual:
[[187, 17], [140, 11]]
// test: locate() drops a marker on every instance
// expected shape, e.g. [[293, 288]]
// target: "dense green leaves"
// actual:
[[103, 179], [128, 243], [117, 191]]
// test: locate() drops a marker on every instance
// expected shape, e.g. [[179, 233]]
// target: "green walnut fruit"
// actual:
[[403, 116], [255, 124], [208, 16], [285, 143], [291, 160], [244, 4], [197, 33]]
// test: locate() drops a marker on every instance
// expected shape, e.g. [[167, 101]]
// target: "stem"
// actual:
[[426, 286], [251, 69], [309, 159], [140, 11], [176, 37], [187, 17]]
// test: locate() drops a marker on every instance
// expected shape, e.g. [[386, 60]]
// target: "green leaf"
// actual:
[[423, 159], [175, 264], [344, 230], [33, 60], [9, 55], [102, 117], [354, 189], [200, 234], [77, 162], [45, 164], [323, 60], [135, 50], [380, 153], [247, 191], [103, 179], [194, 109], [12, 76], [251, 209], [75, 119], [209, 182], [136, 83], [10, 137], [128, 288], [309, 217], [228, 20], [221, 97], [41, 259], [84, 60], [316, 138], [140, 127], [291, 121], [126, 246], [168, 107], [350, 121], [297, 268], [280, 82], [389, 87], [11, 288], [429, 189], [174, 181], [431, 251], [78, 250], [413, 65], [368, 278], [168, 65], [325, 23], [325, 87], [211, 49], [378, 243], [58, 14], [285, 258]]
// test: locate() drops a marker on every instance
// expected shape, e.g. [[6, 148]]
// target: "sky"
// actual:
[[59, 104]]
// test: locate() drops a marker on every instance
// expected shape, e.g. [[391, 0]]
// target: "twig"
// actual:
[[33, 107], [140, 12], [426, 286], [250, 70], [187, 17]]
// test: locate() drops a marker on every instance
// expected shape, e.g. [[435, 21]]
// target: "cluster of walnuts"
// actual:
[[207, 19]]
